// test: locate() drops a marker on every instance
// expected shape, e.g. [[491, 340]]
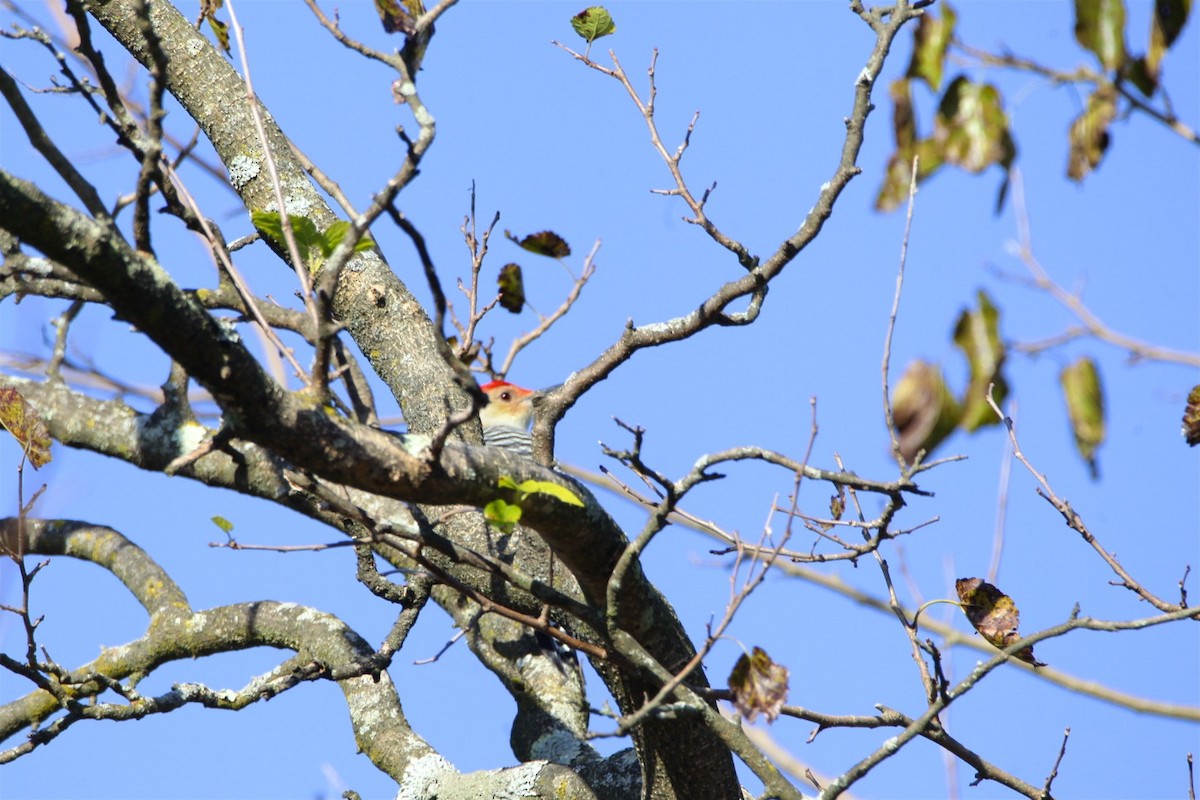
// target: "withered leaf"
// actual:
[[1089, 133], [1191, 417], [924, 410], [544, 243], [759, 685], [972, 127], [993, 614], [23, 422], [1085, 407], [394, 18], [512, 288]]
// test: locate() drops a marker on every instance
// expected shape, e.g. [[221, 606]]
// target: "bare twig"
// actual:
[[1062, 751], [889, 420], [681, 189], [753, 285], [42, 142], [1091, 324], [1074, 520], [1081, 75], [525, 339], [226, 264], [1001, 506], [293, 248]]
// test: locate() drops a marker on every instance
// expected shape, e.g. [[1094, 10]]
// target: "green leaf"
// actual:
[[1169, 18], [268, 224], [208, 11], [20, 419], [225, 525], [1085, 406], [977, 333], [560, 493], [504, 516], [314, 246], [923, 409], [512, 288], [592, 23], [220, 30], [334, 235], [305, 232], [930, 42], [1137, 71], [1089, 133], [1100, 28], [972, 127], [894, 190], [526, 488]]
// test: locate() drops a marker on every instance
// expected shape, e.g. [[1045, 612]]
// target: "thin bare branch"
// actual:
[[888, 418], [1074, 520]]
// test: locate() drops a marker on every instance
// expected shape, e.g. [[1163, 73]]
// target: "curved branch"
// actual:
[[754, 284], [325, 647], [176, 632]]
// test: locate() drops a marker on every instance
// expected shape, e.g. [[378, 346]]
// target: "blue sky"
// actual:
[[551, 144]]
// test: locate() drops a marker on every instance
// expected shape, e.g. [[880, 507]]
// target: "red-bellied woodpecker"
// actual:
[[505, 421], [506, 417]]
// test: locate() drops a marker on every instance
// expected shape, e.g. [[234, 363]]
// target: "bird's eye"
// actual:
[[506, 396]]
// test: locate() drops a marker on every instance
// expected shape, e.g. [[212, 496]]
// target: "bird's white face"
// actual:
[[508, 405]]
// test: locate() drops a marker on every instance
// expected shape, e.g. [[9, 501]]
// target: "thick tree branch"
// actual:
[[325, 649]]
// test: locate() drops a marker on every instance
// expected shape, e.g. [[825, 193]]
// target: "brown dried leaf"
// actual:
[[1191, 417], [22, 421], [924, 410], [512, 288], [544, 243], [395, 18], [993, 614], [1089, 133], [759, 685], [837, 503]]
